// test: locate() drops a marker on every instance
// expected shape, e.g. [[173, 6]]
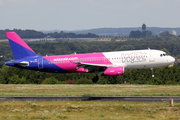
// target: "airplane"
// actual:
[[106, 63]]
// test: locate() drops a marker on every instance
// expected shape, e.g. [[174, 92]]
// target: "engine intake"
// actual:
[[114, 71]]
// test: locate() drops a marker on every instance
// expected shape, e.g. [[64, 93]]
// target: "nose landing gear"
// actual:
[[152, 72]]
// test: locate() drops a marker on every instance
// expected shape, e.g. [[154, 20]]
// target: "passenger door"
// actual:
[[40, 63]]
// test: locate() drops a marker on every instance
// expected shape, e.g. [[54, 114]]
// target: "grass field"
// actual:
[[81, 110], [77, 110], [89, 90]]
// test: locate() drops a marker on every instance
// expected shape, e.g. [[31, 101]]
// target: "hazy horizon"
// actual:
[[70, 15]]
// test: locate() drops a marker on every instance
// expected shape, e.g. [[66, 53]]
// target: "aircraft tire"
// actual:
[[95, 79]]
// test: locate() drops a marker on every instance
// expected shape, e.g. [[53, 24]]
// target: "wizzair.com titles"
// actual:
[[60, 59]]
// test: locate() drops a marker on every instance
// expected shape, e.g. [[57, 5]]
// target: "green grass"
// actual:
[[88, 110], [88, 90]]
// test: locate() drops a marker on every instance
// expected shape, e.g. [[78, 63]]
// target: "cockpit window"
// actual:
[[164, 54]]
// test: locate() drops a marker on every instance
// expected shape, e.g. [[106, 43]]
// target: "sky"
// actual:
[[88, 14]]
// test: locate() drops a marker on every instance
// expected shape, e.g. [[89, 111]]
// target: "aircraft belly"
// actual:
[[136, 67], [146, 66]]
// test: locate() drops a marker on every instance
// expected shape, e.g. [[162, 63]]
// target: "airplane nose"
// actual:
[[172, 60]]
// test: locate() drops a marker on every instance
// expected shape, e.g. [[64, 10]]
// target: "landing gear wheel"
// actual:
[[152, 72], [95, 79]]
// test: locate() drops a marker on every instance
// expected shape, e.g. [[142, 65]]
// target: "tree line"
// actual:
[[163, 76], [148, 34], [37, 34]]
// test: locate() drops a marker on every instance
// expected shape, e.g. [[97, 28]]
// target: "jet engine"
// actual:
[[114, 71]]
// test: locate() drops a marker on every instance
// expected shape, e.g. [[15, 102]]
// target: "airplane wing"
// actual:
[[92, 67]]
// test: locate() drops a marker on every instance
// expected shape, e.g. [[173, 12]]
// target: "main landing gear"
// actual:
[[95, 78]]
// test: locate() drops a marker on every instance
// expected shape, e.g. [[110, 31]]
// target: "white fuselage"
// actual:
[[138, 59]]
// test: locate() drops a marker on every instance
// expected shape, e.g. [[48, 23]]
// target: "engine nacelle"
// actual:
[[114, 71]]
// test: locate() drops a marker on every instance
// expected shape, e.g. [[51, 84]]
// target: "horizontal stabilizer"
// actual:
[[23, 63]]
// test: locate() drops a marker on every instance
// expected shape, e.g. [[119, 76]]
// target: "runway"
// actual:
[[91, 98]]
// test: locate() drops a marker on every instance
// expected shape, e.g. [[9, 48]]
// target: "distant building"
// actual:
[[174, 32], [62, 34], [104, 39], [143, 28]]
